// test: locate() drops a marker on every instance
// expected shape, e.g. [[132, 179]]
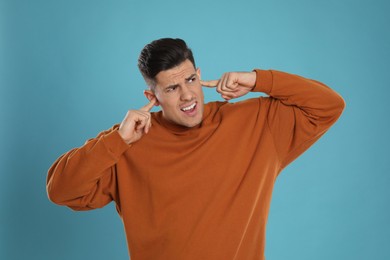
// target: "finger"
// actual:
[[148, 126], [221, 84], [140, 117], [145, 122], [149, 106], [209, 83], [231, 82], [224, 82], [228, 95], [141, 124]]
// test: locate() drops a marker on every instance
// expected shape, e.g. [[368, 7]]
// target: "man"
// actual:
[[194, 180]]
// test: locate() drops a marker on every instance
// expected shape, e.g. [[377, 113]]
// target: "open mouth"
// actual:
[[189, 109]]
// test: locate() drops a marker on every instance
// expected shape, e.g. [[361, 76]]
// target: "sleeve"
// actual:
[[85, 178], [299, 112]]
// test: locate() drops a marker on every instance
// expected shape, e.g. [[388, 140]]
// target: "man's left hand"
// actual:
[[233, 84]]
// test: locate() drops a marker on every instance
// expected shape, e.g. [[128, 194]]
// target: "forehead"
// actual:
[[176, 74]]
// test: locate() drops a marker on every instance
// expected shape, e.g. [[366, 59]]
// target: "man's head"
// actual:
[[168, 68]]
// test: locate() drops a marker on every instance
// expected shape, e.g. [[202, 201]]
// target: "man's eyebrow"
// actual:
[[190, 77], [176, 85], [172, 86]]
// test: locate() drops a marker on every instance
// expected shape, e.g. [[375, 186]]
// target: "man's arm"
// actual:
[[298, 111], [84, 178]]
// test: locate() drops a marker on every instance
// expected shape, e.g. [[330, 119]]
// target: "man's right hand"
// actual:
[[136, 123]]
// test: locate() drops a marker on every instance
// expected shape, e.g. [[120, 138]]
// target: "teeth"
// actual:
[[189, 107]]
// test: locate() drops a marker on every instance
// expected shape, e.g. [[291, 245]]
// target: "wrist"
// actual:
[[253, 79], [264, 81]]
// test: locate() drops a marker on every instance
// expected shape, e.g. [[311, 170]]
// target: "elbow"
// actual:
[[56, 192], [339, 105], [60, 195], [54, 195], [60, 199], [336, 108], [53, 190]]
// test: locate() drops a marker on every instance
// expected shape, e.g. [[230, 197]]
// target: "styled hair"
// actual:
[[162, 54]]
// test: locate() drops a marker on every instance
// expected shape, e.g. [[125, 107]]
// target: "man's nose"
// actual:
[[186, 94]]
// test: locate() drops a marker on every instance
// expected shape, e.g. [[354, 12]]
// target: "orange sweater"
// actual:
[[202, 192]]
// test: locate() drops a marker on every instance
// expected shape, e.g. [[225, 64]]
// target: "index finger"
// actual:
[[149, 106], [209, 83]]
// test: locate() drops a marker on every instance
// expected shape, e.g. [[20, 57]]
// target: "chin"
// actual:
[[192, 124]]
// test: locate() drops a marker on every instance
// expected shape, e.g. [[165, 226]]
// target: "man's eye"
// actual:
[[170, 89], [192, 80]]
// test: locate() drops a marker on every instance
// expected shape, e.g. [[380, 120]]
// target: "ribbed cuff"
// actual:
[[115, 144], [264, 80]]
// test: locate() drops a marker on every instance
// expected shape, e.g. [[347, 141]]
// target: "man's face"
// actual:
[[180, 95]]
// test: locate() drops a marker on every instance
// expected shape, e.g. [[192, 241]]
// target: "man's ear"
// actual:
[[150, 95], [198, 73]]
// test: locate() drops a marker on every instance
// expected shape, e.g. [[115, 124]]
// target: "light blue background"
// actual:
[[68, 71]]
